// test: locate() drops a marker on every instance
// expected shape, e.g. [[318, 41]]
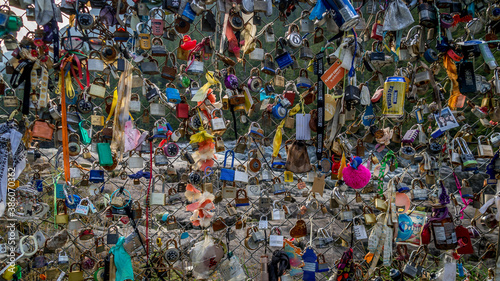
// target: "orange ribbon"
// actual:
[[451, 70]]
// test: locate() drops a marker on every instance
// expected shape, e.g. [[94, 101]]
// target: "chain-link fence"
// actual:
[[237, 219]]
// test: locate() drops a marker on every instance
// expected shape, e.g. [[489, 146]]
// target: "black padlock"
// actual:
[[466, 77], [152, 92], [427, 15], [352, 96]]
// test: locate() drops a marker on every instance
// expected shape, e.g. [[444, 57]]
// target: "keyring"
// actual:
[[129, 199]]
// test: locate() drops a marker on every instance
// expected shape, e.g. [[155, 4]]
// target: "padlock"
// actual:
[[218, 123], [62, 215], [303, 80], [466, 77], [306, 52], [484, 150], [98, 88], [346, 215], [195, 64], [293, 36], [157, 17], [269, 67], [157, 109], [306, 25], [144, 35], [410, 269], [495, 139], [235, 20], [160, 158], [427, 14], [74, 274], [157, 198], [377, 28], [258, 52], [158, 49], [466, 156], [255, 83], [95, 62], [318, 35]]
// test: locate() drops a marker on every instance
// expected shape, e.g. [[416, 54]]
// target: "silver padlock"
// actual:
[[258, 52], [260, 6], [157, 109], [195, 65], [495, 139], [160, 158], [422, 78], [294, 39], [306, 25], [258, 236], [218, 124]]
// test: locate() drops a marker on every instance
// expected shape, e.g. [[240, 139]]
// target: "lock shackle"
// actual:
[[275, 229], [241, 190], [293, 27], [370, 210], [171, 219], [115, 194], [303, 73], [377, 46], [276, 204], [318, 32], [416, 181], [415, 29], [157, 11], [157, 41], [276, 179], [143, 26], [381, 12], [255, 72], [305, 42]]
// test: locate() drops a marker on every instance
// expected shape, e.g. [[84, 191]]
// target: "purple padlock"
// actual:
[[231, 81]]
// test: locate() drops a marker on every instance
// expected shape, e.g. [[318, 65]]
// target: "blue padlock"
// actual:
[[173, 94], [279, 112], [284, 60], [188, 14], [96, 176]]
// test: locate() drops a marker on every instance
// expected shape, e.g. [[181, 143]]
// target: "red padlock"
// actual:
[[377, 29], [290, 96], [182, 110]]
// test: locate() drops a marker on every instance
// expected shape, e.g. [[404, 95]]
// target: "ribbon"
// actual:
[[451, 70], [319, 69], [65, 85], [211, 81], [277, 139], [466, 202], [233, 45], [113, 105]]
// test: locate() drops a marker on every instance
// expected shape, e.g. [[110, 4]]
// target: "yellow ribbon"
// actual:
[[211, 81], [113, 105], [277, 139], [294, 110]]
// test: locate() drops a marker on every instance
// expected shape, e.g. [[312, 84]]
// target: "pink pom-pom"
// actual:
[[356, 178]]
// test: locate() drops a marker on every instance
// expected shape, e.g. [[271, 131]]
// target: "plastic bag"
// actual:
[[317, 11], [449, 272], [205, 256], [231, 269], [122, 261], [397, 16]]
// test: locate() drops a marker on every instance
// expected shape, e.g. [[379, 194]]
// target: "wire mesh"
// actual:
[[50, 164]]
